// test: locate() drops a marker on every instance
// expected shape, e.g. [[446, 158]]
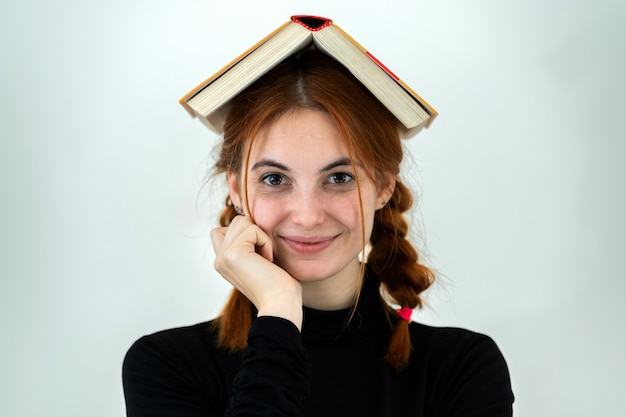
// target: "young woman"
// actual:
[[312, 162]]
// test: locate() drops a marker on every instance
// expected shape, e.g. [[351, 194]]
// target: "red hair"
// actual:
[[313, 80]]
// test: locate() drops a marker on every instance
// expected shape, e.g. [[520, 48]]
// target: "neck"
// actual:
[[333, 293]]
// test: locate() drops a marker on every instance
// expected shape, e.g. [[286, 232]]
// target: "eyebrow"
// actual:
[[338, 163], [265, 163]]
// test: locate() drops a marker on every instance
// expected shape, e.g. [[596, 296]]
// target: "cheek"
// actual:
[[267, 213], [370, 205], [347, 211]]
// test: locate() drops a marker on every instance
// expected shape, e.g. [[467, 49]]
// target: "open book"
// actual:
[[209, 101]]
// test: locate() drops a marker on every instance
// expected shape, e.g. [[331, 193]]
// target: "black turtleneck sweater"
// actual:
[[329, 369]]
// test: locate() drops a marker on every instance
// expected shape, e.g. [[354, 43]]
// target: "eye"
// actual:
[[273, 179], [339, 178]]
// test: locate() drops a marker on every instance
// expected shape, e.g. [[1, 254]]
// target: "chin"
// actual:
[[315, 270], [309, 271], [308, 276]]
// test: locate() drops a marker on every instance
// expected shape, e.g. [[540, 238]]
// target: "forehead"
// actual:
[[304, 134]]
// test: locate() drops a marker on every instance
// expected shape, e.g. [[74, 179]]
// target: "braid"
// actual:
[[235, 319], [396, 262]]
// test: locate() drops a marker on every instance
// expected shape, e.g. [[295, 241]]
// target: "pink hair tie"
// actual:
[[405, 313]]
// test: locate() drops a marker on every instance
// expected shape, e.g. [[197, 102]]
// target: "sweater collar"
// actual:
[[329, 326]]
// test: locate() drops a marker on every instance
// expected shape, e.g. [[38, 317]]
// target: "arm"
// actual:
[[181, 373], [161, 378], [169, 373], [274, 379], [477, 381]]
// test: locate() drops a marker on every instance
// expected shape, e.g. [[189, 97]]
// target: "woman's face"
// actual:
[[303, 193]]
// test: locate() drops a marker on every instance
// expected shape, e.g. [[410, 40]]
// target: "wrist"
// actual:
[[286, 307]]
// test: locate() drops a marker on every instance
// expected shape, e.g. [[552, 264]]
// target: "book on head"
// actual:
[[209, 100]]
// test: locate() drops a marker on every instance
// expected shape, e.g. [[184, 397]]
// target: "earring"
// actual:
[[238, 210]]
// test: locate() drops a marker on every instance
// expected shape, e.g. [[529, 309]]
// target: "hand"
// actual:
[[244, 258]]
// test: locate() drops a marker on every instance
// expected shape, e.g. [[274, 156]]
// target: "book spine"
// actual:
[[312, 23]]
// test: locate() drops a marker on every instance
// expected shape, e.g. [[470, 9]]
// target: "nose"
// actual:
[[307, 207]]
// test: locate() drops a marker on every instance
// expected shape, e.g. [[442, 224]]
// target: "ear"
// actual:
[[387, 189], [233, 188]]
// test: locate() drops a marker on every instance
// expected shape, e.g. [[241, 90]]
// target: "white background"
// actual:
[[105, 226]]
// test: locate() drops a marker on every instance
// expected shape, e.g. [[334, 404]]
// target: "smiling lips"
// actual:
[[308, 245]]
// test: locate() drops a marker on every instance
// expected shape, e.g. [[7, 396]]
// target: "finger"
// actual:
[[264, 245], [218, 235], [242, 228]]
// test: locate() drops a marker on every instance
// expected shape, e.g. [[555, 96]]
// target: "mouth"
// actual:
[[308, 245]]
